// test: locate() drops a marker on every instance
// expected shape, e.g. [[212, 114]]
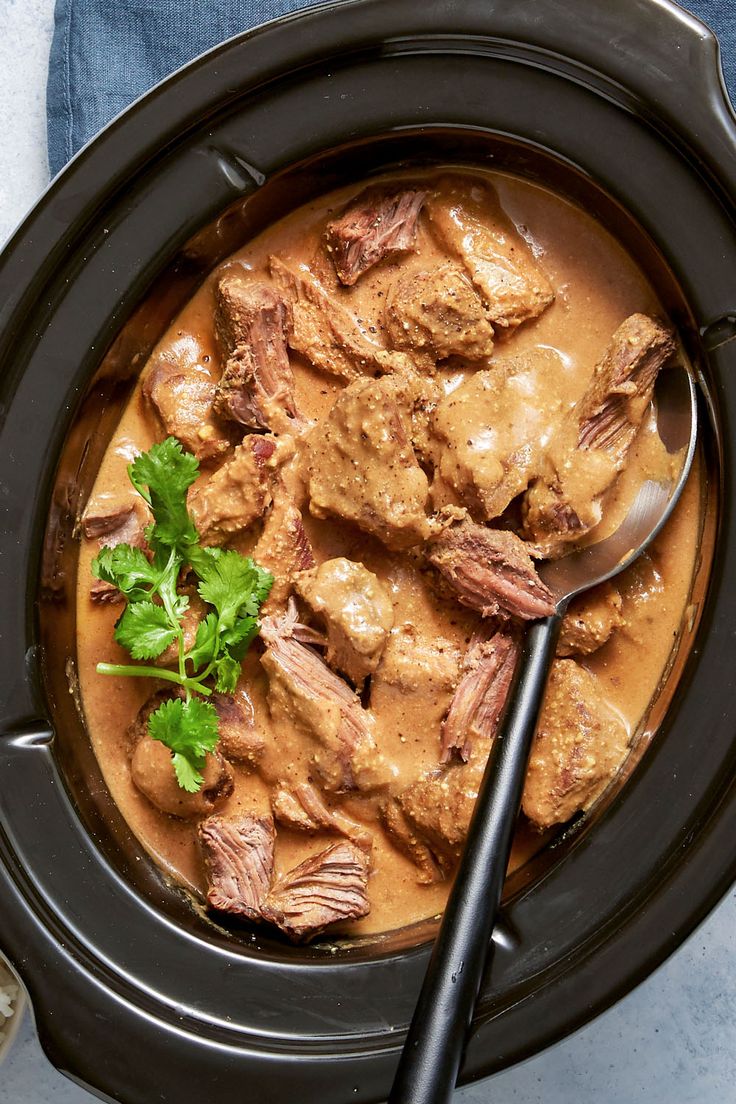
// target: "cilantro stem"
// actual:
[[167, 593], [191, 684]]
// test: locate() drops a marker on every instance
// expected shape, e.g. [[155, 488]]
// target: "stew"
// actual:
[[401, 398]]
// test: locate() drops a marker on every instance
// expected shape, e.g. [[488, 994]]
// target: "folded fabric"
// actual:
[[106, 53]]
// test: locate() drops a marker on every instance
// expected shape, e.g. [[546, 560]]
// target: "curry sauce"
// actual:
[[511, 396]]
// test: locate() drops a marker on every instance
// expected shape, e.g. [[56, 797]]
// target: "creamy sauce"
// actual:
[[597, 286]]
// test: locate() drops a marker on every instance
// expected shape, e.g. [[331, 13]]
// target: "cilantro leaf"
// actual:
[[239, 638], [188, 772], [205, 642], [145, 630], [162, 476], [188, 728], [127, 568], [227, 673], [235, 585]]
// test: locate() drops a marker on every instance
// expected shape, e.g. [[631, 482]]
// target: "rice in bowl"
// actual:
[[9, 993]]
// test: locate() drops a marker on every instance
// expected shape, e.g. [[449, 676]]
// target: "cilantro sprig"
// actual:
[[234, 586]]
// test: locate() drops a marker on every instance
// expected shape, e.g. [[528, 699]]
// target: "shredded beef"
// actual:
[[303, 808], [257, 384], [182, 393], [566, 503], [378, 223], [325, 332], [283, 548], [481, 693], [238, 859], [622, 386], [476, 231], [305, 692], [326, 888], [490, 571]]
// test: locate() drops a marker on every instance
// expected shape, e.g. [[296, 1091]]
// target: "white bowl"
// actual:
[[10, 1027]]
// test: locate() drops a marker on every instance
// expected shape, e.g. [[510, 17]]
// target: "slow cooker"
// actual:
[[619, 106]]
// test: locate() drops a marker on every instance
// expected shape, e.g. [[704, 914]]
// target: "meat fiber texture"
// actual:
[[324, 889], [380, 222], [238, 854], [490, 571], [256, 388], [305, 693], [565, 503]]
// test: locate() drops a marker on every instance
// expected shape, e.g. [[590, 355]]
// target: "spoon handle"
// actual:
[[433, 1050]]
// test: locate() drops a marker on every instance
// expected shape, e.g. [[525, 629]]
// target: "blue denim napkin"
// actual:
[[105, 53]]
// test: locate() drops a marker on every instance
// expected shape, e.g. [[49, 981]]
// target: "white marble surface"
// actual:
[[672, 1041]]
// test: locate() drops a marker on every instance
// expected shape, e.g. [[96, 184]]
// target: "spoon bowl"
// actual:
[[676, 419]]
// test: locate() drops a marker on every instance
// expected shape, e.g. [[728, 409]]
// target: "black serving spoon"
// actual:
[[433, 1050]]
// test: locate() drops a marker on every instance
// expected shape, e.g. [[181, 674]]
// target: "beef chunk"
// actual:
[[406, 839], [490, 571], [327, 887], [565, 503], [356, 610], [152, 770], [378, 223], [113, 520], [481, 693], [578, 747], [240, 740], [304, 809], [182, 393], [438, 312], [325, 333], [590, 621], [238, 859], [475, 230], [289, 811], [614, 405], [304, 692], [283, 548], [108, 515], [362, 467], [257, 384], [440, 805], [239, 492], [489, 438], [415, 673]]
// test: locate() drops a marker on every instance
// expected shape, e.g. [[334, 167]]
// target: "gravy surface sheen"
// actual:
[[597, 285]]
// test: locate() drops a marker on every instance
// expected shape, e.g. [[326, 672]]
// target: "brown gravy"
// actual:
[[597, 286]]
